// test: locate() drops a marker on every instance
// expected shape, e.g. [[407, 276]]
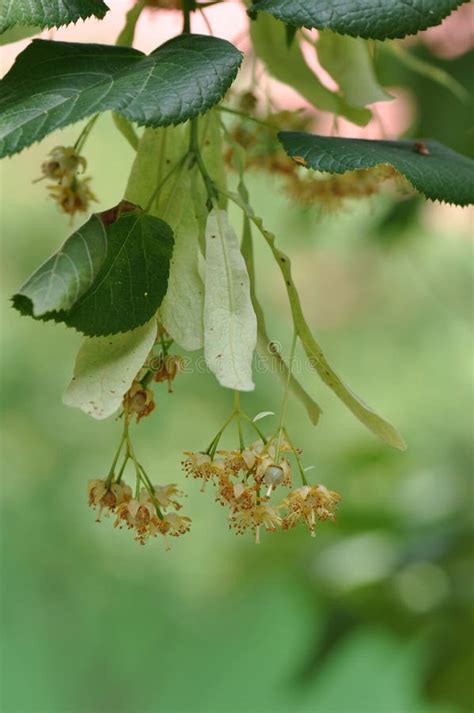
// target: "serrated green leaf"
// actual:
[[15, 34], [434, 170], [348, 61], [287, 64], [53, 84], [317, 360], [125, 286], [105, 369], [230, 325], [181, 311], [67, 275], [48, 14], [372, 19]]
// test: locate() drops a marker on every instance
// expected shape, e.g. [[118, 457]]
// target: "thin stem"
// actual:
[[83, 136], [238, 414], [211, 450], [285, 397], [196, 153], [244, 115], [123, 466], [254, 426], [188, 6], [126, 36], [205, 18], [116, 457], [298, 459]]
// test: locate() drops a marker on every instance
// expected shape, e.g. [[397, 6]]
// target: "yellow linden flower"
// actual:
[[139, 401], [238, 495], [260, 515], [107, 497], [201, 465], [310, 503], [175, 525], [64, 161], [139, 515], [164, 495], [72, 195], [167, 369]]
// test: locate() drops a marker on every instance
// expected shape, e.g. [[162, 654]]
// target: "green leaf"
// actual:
[[230, 325], [348, 61], [105, 369], [288, 65], [434, 170], [375, 423], [181, 311], [67, 275], [53, 84], [15, 34], [50, 13], [103, 280], [372, 19]]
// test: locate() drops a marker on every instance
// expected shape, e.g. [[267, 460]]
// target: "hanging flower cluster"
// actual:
[[70, 192], [150, 510], [264, 152], [246, 478]]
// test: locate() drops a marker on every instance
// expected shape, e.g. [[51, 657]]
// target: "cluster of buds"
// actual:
[[145, 514], [245, 479], [70, 192]]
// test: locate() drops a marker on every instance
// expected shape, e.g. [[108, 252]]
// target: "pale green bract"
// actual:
[[288, 65], [181, 311], [230, 325], [348, 61], [317, 360], [105, 369]]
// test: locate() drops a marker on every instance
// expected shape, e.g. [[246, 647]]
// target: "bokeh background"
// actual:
[[372, 616]]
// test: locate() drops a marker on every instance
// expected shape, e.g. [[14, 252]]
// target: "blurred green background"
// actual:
[[372, 616]]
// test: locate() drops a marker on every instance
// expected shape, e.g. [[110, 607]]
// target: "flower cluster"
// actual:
[[146, 514], [245, 479], [70, 192], [264, 152]]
